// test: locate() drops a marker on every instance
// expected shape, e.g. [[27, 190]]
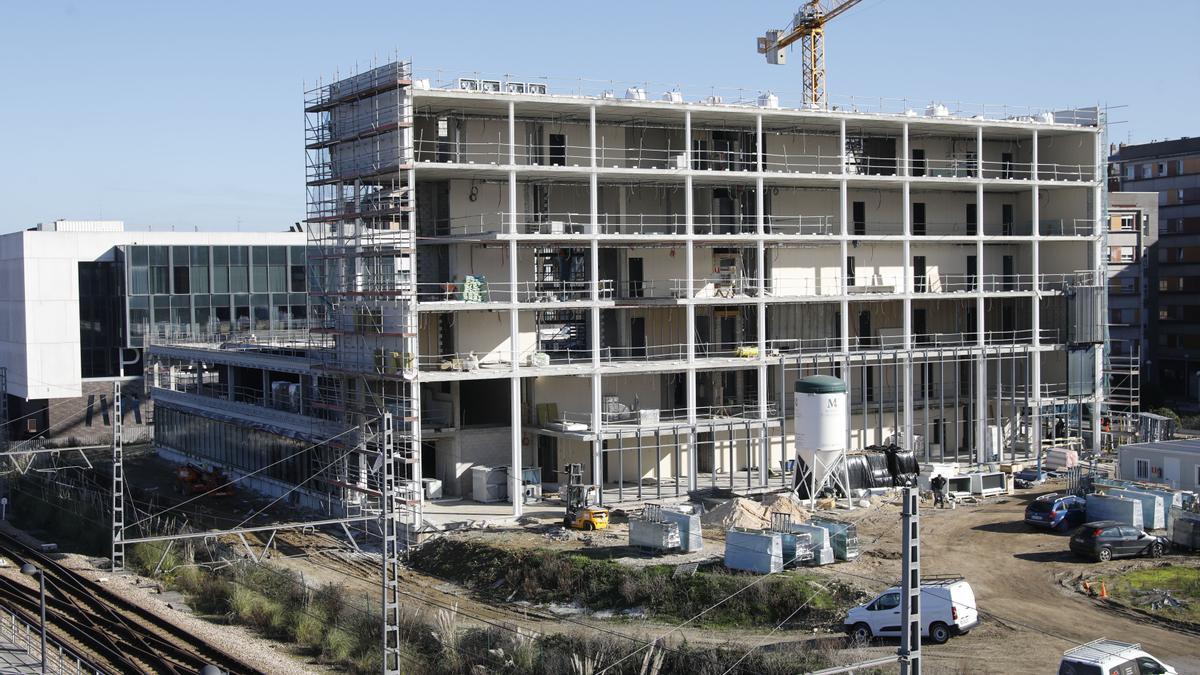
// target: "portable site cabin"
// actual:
[[1120, 509], [1173, 463], [1154, 514]]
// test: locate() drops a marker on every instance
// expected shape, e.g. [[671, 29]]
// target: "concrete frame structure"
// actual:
[[635, 285]]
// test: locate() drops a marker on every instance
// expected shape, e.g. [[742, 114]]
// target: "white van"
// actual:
[[1102, 657], [947, 608]]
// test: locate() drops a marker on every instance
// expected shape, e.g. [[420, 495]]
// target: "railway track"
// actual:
[[115, 634]]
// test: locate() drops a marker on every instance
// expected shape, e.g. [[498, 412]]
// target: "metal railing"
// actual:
[[498, 152], [668, 93], [531, 292], [247, 340], [27, 636], [1075, 227], [895, 341], [634, 417]]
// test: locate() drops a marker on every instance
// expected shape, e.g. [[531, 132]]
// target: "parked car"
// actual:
[[947, 609], [1102, 657], [1104, 540], [1055, 511]]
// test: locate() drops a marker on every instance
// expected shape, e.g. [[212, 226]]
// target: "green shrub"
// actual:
[[339, 645], [310, 632]]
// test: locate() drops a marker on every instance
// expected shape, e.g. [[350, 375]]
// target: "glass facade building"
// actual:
[[180, 291], [101, 319]]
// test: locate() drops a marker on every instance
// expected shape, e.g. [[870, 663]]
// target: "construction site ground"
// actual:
[[1025, 582]]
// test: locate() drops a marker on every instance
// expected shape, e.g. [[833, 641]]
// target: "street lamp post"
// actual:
[[32, 570]]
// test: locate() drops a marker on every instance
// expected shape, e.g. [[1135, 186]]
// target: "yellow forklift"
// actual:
[[583, 511]]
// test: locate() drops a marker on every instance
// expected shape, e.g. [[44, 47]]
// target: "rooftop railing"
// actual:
[[668, 93]]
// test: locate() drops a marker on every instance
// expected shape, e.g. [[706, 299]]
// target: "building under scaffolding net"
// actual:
[[506, 279]]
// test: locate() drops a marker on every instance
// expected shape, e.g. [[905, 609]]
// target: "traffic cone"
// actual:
[[1103, 591]]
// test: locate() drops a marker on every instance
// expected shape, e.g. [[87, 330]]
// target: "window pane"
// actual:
[[182, 276], [160, 255], [139, 281], [239, 255], [239, 279], [262, 311], [277, 255], [200, 279], [298, 281], [259, 280], [278, 277], [260, 255], [220, 279], [199, 255], [220, 255], [140, 255], [160, 279]]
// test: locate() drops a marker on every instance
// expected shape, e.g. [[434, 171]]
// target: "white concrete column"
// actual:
[[844, 302], [761, 306], [594, 229], [515, 492], [842, 143], [597, 429], [1035, 368], [904, 414], [690, 306], [1099, 235], [981, 392]]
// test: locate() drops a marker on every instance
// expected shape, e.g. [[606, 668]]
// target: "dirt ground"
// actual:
[[1023, 585], [1024, 582]]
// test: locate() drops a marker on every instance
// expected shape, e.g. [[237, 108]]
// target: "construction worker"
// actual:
[[939, 491]]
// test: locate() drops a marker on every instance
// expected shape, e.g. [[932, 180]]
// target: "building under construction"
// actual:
[[505, 274]]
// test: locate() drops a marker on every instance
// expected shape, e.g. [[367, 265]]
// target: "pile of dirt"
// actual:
[[785, 503], [737, 512]]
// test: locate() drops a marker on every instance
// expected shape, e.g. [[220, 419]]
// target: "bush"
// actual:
[[310, 632], [338, 646]]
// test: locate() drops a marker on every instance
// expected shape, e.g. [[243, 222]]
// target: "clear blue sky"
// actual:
[[189, 113]]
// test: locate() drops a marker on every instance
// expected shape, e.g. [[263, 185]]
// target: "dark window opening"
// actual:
[[860, 218], [558, 150]]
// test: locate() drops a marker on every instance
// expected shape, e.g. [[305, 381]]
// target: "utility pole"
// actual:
[[118, 483], [910, 589]]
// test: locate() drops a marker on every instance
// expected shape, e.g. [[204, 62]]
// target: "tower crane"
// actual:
[[808, 28]]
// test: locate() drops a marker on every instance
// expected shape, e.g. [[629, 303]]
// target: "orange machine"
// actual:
[[196, 480]]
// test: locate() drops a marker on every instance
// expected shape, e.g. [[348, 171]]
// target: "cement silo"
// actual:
[[820, 419]]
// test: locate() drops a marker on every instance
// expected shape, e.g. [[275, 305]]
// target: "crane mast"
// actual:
[[807, 28]]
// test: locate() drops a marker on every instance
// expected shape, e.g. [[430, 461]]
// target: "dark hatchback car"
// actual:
[[1104, 540]]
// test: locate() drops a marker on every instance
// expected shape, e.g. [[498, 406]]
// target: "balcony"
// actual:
[[620, 416], [474, 291], [893, 339], [1075, 227]]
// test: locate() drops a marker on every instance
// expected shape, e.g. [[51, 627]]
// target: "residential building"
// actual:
[[1171, 169], [1133, 314], [81, 299], [508, 276]]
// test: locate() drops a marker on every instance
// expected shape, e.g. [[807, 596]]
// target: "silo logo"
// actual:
[[831, 403]]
